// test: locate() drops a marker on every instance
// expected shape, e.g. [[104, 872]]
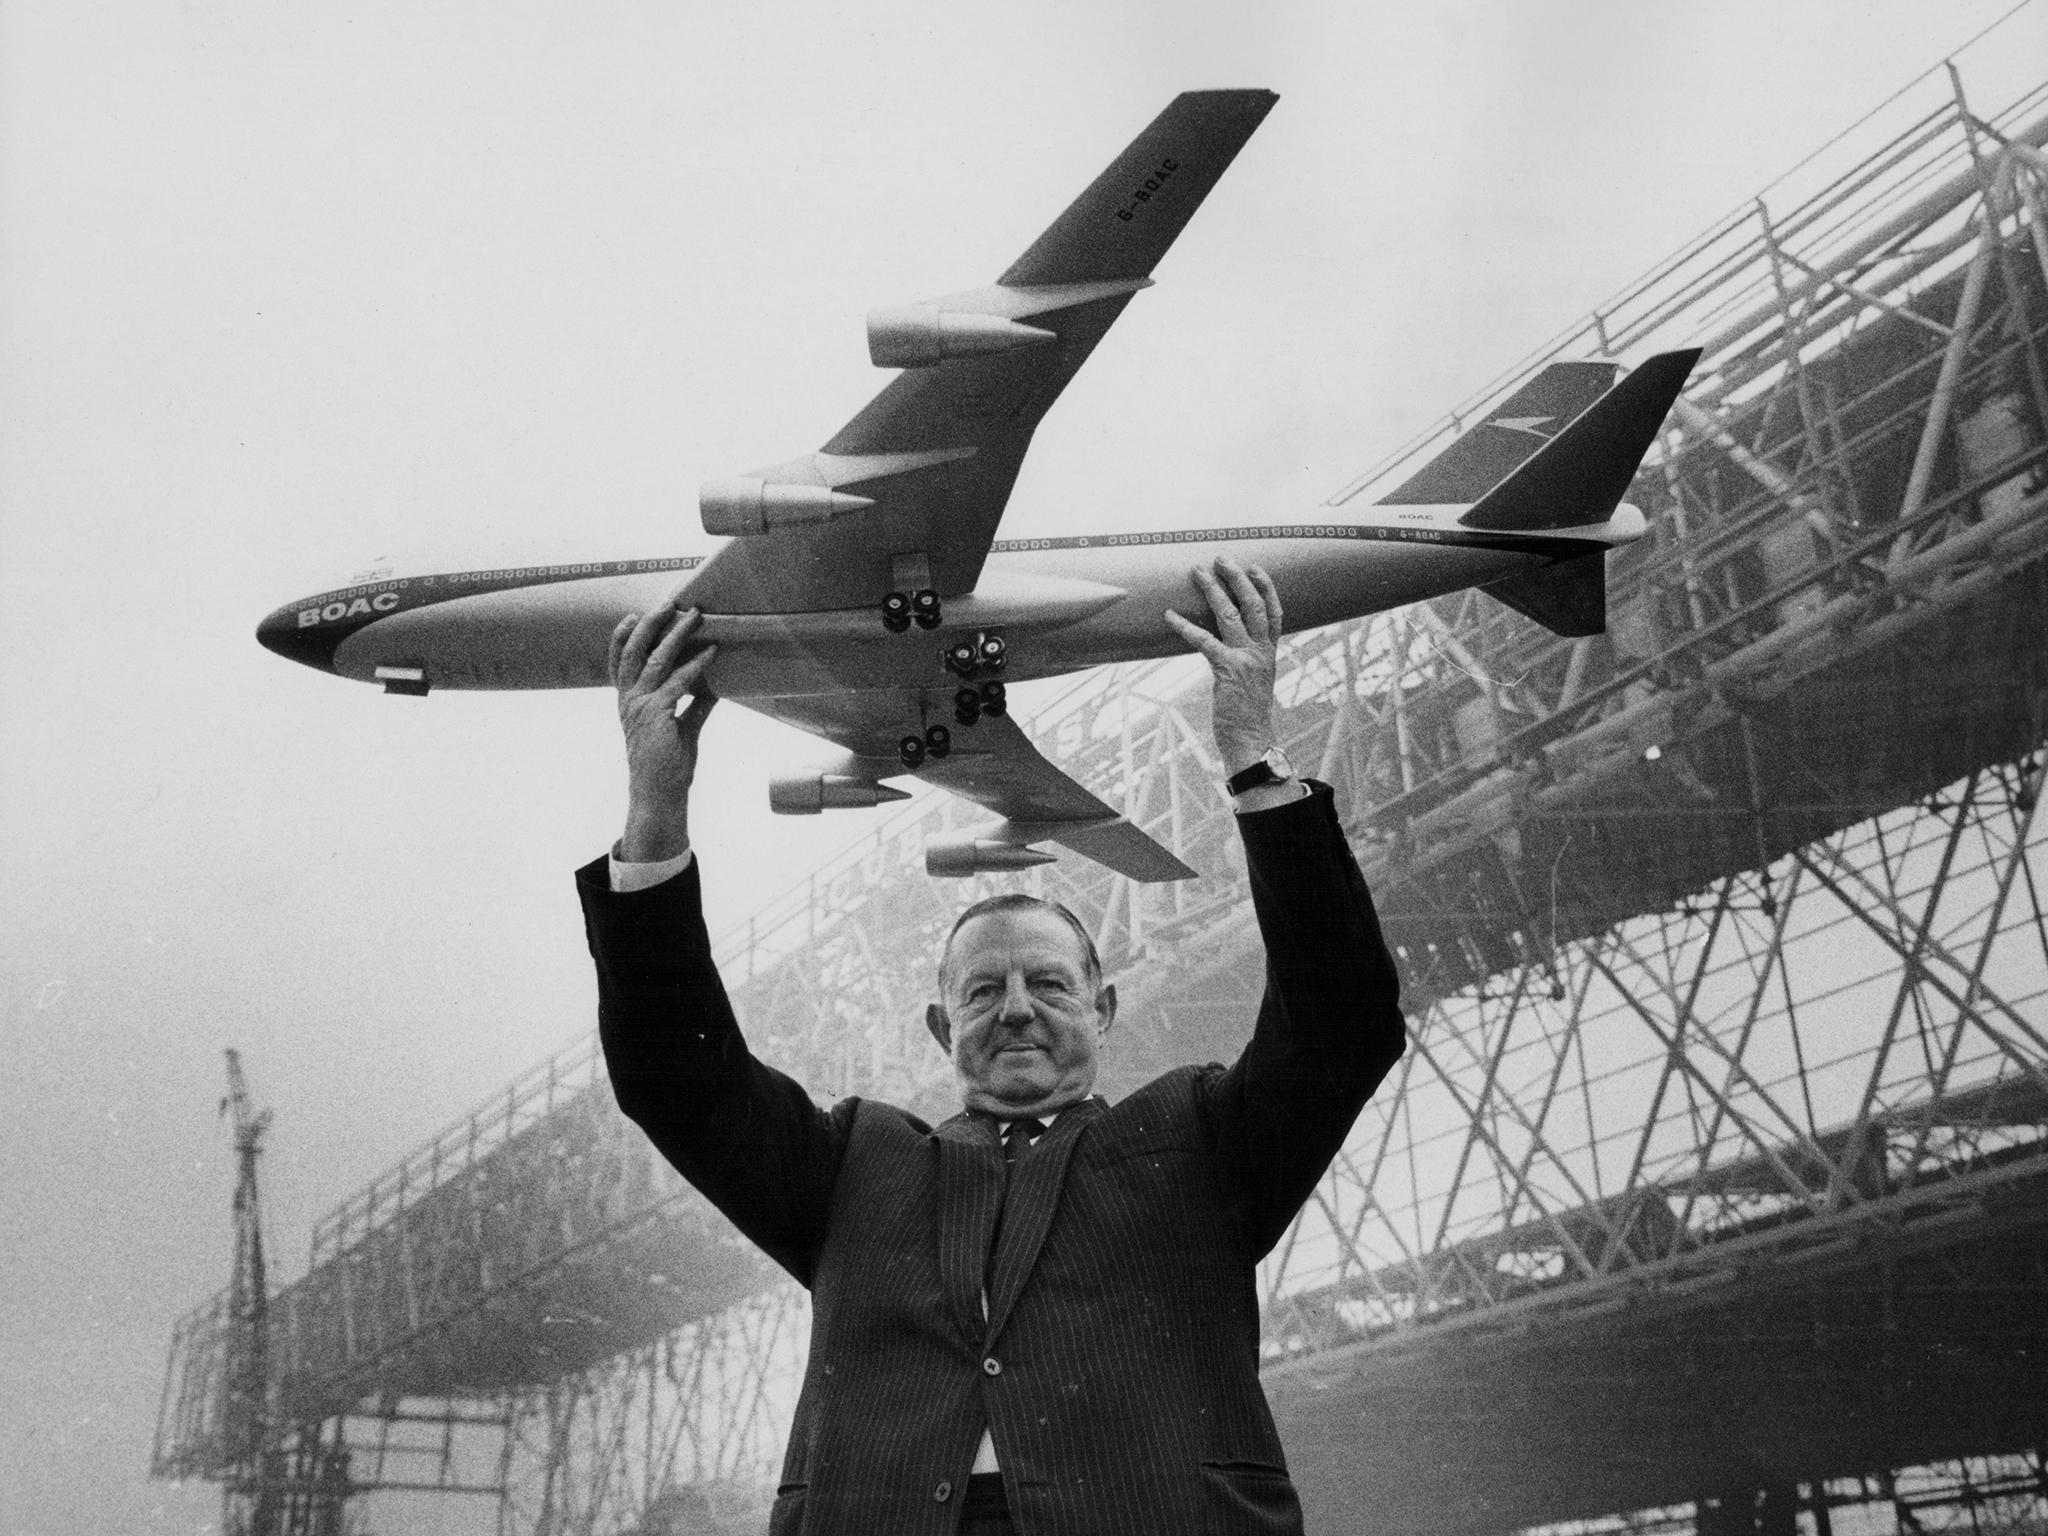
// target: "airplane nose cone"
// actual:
[[311, 645]]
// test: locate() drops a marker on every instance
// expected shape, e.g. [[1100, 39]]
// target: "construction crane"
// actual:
[[278, 1479], [248, 1509]]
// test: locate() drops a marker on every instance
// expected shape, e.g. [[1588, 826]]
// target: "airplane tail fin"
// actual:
[[1513, 430], [1579, 477], [1577, 480]]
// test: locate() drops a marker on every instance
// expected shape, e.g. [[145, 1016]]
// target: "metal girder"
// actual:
[[687, 1429]]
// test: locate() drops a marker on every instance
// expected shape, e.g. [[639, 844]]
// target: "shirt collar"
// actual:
[[1045, 1119]]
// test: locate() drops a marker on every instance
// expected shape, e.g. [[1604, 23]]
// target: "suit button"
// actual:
[[993, 1366], [943, 1492]]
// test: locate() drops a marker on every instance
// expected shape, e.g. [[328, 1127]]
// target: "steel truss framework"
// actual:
[[685, 1431], [1722, 935], [1812, 1042], [1983, 1496]]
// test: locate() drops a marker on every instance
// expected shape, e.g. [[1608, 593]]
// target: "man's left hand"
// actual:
[[1243, 656]]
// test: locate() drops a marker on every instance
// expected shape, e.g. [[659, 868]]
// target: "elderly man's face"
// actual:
[[1019, 1018]]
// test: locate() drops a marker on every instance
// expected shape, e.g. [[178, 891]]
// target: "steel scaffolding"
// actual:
[[1719, 1165]]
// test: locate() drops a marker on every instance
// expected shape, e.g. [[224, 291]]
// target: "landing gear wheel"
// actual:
[[967, 706], [924, 607], [911, 750], [994, 700], [896, 612], [938, 741], [994, 652], [962, 658]]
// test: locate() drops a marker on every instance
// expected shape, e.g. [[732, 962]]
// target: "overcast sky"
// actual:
[[286, 287]]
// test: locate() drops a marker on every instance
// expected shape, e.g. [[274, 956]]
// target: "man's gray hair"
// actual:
[[1019, 901]]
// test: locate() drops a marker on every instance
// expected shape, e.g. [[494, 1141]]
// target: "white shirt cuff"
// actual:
[[638, 877], [1267, 796]]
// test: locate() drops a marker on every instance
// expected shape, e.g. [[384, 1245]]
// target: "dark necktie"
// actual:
[[1018, 1137]]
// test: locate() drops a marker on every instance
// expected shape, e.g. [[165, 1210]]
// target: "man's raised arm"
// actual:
[[744, 1134], [1329, 1026]]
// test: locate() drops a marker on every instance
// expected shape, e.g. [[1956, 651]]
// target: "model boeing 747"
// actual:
[[861, 593]]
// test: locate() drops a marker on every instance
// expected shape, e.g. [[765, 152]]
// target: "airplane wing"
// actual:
[[995, 766], [909, 493]]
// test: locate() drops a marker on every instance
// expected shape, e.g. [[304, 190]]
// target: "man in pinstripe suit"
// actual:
[[1040, 1315]]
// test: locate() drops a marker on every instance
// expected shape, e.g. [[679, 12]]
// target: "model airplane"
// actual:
[[862, 595]]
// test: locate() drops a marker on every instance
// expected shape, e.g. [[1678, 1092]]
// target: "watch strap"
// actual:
[[1261, 772]]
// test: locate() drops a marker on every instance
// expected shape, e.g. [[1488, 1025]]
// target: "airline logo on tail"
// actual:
[[1527, 419]]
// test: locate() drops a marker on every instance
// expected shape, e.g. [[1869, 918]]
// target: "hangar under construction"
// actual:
[[1713, 1193]]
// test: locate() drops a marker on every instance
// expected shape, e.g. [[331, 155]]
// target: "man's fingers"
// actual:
[[688, 678], [1250, 602], [1229, 622], [1271, 594], [664, 655], [690, 722], [1197, 636], [618, 643], [633, 656]]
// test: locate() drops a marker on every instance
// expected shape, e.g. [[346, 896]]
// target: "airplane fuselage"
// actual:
[[1061, 605]]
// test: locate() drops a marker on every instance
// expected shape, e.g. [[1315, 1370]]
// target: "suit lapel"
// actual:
[[970, 1192], [1029, 1206]]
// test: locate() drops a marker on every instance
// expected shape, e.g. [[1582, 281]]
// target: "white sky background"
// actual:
[[285, 287]]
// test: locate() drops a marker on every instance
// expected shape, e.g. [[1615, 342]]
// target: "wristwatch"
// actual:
[[1273, 768]]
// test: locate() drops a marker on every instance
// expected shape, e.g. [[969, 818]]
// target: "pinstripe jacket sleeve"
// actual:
[[1329, 1026], [744, 1134]]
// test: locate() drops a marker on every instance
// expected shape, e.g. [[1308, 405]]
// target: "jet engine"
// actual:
[[746, 506], [921, 335], [977, 855], [806, 794]]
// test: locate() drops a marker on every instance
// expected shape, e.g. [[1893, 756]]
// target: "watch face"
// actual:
[[1273, 768]]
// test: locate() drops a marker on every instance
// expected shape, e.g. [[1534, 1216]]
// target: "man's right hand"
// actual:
[[648, 667]]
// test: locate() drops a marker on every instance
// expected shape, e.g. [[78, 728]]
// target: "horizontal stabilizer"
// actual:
[[1510, 434], [1568, 598], [1579, 476]]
